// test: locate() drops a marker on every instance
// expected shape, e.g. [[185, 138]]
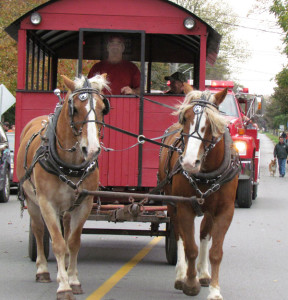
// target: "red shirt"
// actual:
[[119, 75]]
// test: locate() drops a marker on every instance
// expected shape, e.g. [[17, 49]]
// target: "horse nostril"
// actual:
[[197, 162], [84, 151]]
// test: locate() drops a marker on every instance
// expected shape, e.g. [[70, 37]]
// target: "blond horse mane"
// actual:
[[98, 82], [218, 122]]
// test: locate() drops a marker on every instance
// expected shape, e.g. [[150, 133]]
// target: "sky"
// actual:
[[266, 60]]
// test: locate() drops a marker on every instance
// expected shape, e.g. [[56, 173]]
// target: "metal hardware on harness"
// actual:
[[152, 141], [214, 187], [141, 139], [57, 93]]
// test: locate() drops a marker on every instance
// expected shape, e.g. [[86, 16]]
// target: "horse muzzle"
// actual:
[[90, 155], [192, 167]]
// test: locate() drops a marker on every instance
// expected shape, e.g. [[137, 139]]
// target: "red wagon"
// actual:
[[155, 31]]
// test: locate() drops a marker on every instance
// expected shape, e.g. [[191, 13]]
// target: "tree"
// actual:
[[219, 15], [280, 9], [277, 109]]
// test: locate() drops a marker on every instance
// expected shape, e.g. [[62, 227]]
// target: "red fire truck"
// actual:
[[240, 108]]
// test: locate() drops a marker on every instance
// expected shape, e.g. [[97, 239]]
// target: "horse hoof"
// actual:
[[43, 277], [205, 281], [178, 285], [77, 289], [65, 295], [191, 290]]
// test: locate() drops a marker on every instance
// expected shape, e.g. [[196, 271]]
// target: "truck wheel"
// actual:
[[170, 245], [5, 192], [244, 193], [254, 192], [32, 247]]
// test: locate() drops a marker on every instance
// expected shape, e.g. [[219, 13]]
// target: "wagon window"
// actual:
[[38, 64]]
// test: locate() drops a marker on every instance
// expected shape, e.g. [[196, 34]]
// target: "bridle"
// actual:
[[83, 94], [198, 108]]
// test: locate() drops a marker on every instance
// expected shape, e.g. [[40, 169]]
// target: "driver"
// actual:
[[123, 75]]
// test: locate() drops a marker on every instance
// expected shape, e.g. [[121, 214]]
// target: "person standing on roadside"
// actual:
[[281, 151]]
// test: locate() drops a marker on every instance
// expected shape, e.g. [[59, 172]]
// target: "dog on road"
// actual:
[[272, 167]]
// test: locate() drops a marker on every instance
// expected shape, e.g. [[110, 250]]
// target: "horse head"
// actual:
[[202, 126], [85, 107]]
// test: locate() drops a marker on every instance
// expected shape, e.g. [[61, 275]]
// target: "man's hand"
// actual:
[[126, 90]]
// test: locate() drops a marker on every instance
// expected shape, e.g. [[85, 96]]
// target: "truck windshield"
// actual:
[[229, 107]]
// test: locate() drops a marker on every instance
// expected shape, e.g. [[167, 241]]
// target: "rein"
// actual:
[[141, 138]]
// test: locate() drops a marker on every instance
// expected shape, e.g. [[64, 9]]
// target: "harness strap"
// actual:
[[41, 152]]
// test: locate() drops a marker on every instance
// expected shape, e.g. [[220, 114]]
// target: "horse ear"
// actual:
[[68, 83], [104, 75], [187, 88], [220, 96]]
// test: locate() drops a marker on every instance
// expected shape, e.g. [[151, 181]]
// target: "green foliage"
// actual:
[[280, 9], [273, 138], [277, 108]]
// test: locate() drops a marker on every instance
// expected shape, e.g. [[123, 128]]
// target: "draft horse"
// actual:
[[208, 169], [56, 159]]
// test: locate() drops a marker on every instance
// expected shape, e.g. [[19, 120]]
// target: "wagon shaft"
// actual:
[[138, 196]]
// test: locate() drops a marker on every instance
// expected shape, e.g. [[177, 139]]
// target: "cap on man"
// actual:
[[176, 83]]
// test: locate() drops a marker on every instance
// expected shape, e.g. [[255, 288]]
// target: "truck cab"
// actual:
[[240, 109]]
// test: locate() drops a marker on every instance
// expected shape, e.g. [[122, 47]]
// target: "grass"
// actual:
[[273, 138]]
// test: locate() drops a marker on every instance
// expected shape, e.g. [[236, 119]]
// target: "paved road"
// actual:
[[254, 267]]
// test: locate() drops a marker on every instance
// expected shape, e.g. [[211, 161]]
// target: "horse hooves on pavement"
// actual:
[[205, 281], [43, 277], [178, 285], [65, 295], [191, 290], [77, 289]]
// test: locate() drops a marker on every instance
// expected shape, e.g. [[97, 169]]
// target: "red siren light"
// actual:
[[219, 83], [245, 90]]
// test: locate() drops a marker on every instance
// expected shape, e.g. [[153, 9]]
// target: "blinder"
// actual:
[[107, 105]]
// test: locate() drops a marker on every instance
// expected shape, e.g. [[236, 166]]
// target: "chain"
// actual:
[[214, 187]]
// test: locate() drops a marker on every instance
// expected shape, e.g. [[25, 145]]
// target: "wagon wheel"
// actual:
[[32, 250], [170, 245]]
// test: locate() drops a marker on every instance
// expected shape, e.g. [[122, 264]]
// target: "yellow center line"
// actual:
[[116, 277]]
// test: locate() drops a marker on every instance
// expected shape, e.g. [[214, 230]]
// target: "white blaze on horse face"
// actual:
[[92, 140], [191, 159]]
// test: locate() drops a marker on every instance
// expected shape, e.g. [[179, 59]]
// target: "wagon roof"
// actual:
[[162, 21]]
